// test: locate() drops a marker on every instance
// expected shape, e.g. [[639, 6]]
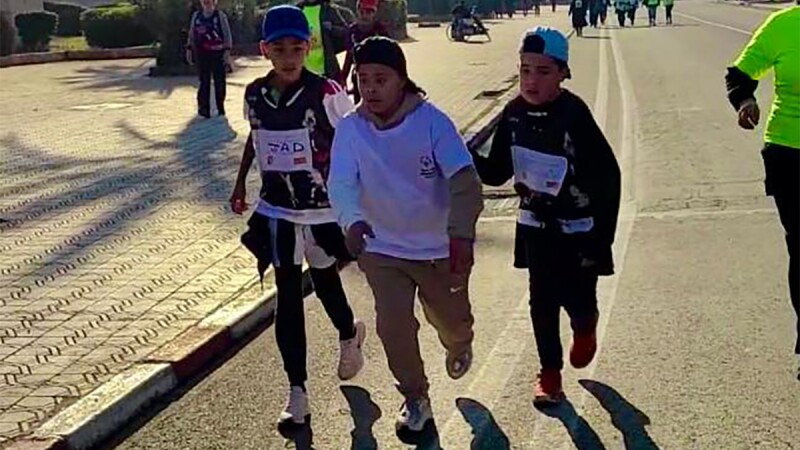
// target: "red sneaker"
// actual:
[[584, 346], [548, 391]]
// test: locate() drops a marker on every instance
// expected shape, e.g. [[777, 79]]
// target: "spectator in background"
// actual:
[[329, 30], [209, 47], [366, 26]]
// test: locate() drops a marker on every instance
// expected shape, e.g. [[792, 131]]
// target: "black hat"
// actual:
[[381, 50]]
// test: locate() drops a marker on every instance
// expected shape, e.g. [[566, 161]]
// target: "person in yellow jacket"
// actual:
[[775, 46], [329, 30]]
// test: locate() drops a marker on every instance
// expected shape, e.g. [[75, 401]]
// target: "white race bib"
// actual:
[[538, 171], [283, 151]]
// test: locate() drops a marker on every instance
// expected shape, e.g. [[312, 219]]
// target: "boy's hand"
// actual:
[[749, 114], [189, 59], [238, 204], [523, 191], [354, 240], [462, 256]]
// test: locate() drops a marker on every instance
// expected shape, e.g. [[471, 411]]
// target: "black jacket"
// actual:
[[592, 187]]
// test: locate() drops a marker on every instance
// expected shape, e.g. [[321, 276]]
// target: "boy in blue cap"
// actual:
[[292, 114], [568, 181]]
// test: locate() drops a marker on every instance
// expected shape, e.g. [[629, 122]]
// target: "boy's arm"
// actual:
[[455, 163], [343, 180], [603, 178], [496, 168], [247, 161]]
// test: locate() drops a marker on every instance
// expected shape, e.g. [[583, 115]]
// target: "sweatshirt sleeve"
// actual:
[[190, 34], [496, 168], [226, 31], [343, 180], [601, 175]]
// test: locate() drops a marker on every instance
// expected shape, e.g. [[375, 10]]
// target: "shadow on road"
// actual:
[[627, 418], [125, 78], [427, 439], [302, 437], [365, 413], [487, 435], [582, 434]]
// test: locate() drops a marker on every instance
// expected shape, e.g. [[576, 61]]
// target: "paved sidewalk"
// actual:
[[118, 237]]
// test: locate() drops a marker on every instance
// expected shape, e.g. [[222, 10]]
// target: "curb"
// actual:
[[23, 59], [97, 416]]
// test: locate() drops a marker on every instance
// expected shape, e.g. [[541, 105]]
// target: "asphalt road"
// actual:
[[696, 329]]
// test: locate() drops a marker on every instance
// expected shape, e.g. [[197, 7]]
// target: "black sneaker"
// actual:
[[204, 113]]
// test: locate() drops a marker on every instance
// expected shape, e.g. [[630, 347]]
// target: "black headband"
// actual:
[[381, 50]]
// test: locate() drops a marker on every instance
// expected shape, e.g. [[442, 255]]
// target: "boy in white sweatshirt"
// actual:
[[404, 188]]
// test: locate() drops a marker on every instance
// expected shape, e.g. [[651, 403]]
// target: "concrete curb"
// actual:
[[97, 416], [22, 59]]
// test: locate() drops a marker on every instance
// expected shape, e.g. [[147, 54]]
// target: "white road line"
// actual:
[[713, 24]]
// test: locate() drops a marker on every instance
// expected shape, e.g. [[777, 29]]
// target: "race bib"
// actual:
[[283, 151], [538, 171]]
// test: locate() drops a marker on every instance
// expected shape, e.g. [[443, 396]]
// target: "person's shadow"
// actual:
[[365, 413], [427, 439], [301, 435], [487, 435], [582, 434], [627, 418]]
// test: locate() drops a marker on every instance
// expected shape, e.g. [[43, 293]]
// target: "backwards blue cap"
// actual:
[[546, 41], [285, 21]]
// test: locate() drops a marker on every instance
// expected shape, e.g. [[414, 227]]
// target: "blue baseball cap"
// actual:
[[546, 41], [285, 21]]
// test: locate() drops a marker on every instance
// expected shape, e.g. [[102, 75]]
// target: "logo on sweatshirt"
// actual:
[[427, 167]]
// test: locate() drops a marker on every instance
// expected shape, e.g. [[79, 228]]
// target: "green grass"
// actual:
[[71, 43]]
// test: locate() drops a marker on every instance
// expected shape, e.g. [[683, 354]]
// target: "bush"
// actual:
[[36, 29], [69, 17], [7, 34], [115, 27], [242, 18]]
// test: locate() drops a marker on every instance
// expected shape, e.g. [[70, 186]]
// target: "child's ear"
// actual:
[[264, 49]]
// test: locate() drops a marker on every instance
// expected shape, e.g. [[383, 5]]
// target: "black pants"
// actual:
[[782, 166], [290, 328], [652, 12], [669, 13], [211, 63], [556, 281], [621, 18], [632, 15]]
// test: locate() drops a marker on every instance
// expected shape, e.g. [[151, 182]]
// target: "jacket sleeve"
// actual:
[[226, 31], [740, 87], [190, 34], [496, 168], [601, 176]]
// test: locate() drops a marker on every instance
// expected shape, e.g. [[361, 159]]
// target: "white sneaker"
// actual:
[[296, 409], [351, 358], [414, 414]]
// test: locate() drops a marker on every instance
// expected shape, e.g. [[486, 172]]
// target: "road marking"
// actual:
[[714, 24]]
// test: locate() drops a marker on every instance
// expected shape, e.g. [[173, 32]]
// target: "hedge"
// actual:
[[35, 29], [7, 34], [115, 27], [69, 17]]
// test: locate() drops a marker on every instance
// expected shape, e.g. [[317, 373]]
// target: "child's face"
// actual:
[[208, 4], [381, 88], [366, 15], [287, 56], [540, 78]]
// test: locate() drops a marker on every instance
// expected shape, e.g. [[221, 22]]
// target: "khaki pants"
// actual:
[[394, 283]]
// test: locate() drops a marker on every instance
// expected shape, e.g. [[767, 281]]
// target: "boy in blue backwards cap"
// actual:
[[568, 181], [292, 114]]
